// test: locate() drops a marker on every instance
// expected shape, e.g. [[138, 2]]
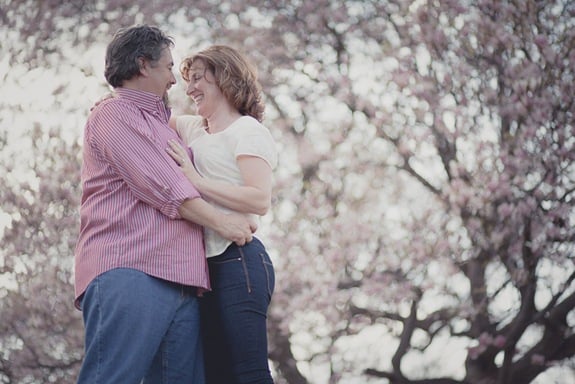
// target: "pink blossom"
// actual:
[[499, 341], [505, 210], [540, 40], [537, 359], [475, 352]]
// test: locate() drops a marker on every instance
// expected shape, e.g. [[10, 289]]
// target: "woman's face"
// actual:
[[203, 90]]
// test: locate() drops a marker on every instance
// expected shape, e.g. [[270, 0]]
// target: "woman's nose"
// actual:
[[189, 88]]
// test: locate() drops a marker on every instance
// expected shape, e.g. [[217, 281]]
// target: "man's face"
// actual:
[[159, 75]]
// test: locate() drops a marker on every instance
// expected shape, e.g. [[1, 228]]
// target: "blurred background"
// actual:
[[423, 220]]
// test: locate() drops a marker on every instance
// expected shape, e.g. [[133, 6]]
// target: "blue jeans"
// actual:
[[234, 315], [140, 329]]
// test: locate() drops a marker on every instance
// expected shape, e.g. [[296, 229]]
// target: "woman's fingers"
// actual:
[[178, 153]]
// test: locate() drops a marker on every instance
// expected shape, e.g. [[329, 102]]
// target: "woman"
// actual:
[[234, 155]]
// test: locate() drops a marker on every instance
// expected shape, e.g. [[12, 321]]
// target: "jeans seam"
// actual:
[[245, 267], [265, 264], [165, 358], [225, 261]]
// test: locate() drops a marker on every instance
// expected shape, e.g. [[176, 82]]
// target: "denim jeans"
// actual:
[[234, 315], [140, 329]]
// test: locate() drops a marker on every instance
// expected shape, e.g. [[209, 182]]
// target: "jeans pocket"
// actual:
[[269, 271]]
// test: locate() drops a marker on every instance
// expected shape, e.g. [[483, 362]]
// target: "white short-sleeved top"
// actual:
[[215, 157]]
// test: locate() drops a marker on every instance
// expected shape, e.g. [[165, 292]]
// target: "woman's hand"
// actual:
[[180, 155], [106, 97]]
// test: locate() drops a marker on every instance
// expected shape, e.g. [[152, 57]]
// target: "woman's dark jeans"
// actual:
[[234, 315]]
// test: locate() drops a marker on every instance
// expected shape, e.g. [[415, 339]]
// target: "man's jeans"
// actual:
[[140, 329], [234, 315]]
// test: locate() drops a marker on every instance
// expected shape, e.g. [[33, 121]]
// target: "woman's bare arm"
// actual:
[[253, 196]]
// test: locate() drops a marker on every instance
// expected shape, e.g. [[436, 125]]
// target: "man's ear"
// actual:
[[143, 64]]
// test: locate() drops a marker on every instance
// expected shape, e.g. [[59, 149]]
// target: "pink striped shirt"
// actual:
[[131, 191]]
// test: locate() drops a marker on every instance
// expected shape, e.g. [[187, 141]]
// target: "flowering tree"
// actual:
[[424, 195], [40, 333]]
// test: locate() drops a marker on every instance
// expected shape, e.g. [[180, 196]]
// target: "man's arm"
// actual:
[[234, 227]]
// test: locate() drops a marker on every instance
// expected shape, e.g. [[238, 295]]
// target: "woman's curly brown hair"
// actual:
[[235, 76]]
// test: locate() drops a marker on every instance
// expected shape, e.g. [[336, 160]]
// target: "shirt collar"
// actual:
[[145, 100]]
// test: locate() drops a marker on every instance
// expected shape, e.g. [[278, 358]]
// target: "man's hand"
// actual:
[[232, 226], [236, 228]]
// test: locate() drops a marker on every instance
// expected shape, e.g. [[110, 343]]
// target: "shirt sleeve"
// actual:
[[134, 149], [254, 139]]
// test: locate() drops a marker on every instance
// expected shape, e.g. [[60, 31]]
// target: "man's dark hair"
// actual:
[[128, 46]]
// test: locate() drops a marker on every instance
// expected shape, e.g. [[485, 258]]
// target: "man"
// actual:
[[139, 260]]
